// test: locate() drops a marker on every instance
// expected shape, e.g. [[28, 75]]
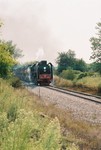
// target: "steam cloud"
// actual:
[[29, 29], [40, 54]]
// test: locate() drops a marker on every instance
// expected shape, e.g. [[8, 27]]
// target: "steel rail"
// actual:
[[89, 97]]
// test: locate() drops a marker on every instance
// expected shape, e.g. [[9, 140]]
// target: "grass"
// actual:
[[90, 82], [25, 123], [29, 123], [87, 84], [62, 82], [83, 134]]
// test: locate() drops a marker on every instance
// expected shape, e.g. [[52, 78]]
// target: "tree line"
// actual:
[[65, 60]]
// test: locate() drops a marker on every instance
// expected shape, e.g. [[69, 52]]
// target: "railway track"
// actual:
[[83, 106], [89, 97]]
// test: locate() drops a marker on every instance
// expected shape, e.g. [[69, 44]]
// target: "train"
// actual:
[[40, 73]]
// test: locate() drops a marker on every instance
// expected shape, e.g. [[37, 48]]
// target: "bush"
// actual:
[[68, 74], [81, 75], [16, 82]]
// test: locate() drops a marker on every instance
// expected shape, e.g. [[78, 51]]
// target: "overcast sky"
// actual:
[[42, 28]]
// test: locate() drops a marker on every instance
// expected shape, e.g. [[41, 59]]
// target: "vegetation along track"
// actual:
[[89, 97]]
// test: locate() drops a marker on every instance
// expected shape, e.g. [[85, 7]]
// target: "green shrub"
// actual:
[[90, 74], [68, 74], [16, 82], [82, 75]]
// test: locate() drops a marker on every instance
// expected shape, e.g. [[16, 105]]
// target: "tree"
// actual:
[[96, 45], [6, 63], [65, 60], [8, 55], [11, 48], [80, 65], [96, 67]]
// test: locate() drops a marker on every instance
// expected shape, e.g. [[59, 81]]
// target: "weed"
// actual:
[[16, 82], [12, 112], [26, 123]]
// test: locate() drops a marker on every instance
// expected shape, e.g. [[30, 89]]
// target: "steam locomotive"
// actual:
[[40, 73]]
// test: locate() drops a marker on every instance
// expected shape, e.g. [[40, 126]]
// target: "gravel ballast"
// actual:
[[80, 108]]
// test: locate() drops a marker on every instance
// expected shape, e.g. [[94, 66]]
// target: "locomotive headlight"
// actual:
[[44, 69]]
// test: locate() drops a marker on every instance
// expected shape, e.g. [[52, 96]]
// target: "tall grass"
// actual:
[[62, 82], [22, 127], [26, 123], [89, 84]]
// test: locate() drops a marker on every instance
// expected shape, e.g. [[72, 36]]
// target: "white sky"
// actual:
[[42, 28]]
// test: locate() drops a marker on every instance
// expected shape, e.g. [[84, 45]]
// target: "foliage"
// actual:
[[60, 82], [12, 112], [96, 44], [34, 130], [15, 82], [27, 130], [8, 55], [87, 82], [65, 60], [82, 75], [91, 83], [92, 67], [6, 62], [96, 67], [68, 74], [51, 137], [80, 65], [96, 47], [11, 48], [24, 129]]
